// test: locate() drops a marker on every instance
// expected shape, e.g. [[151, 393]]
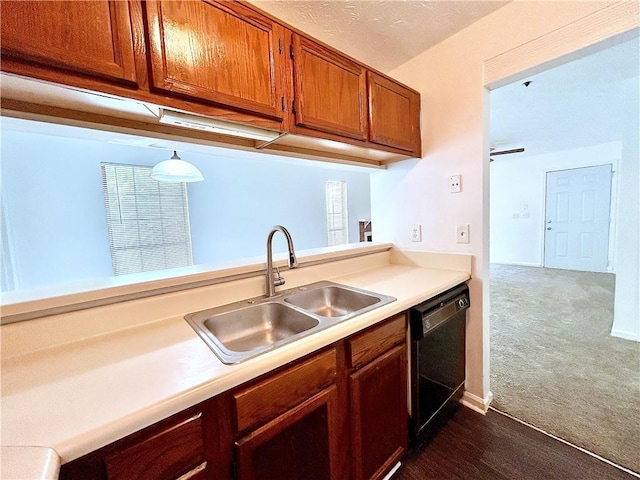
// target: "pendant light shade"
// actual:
[[176, 170]]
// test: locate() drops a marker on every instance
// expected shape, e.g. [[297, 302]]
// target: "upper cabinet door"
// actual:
[[87, 37], [394, 114], [220, 52], [330, 90]]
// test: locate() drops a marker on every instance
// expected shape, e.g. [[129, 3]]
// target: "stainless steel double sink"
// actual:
[[242, 330]]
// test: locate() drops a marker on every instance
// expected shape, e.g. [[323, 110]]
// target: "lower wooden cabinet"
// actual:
[[172, 448], [173, 451], [300, 444], [333, 415], [288, 424], [379, 414], [378, 397]]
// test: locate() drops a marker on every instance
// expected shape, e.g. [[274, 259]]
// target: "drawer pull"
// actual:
[[192, 473]]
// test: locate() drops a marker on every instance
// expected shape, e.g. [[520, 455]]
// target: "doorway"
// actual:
[[554, 361], [577, 218]]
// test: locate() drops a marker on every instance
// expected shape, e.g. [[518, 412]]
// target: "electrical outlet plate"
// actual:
[[455, 183], [462, 233], [416, 233]]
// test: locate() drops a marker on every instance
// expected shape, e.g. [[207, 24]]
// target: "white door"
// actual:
[[577, 219]]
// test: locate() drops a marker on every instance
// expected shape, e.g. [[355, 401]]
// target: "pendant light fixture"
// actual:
[[176, 170]]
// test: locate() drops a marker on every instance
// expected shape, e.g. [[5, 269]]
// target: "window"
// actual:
[[148, 221], [337, 216]]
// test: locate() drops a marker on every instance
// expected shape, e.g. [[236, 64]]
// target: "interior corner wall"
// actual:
[[626, 321], [518, 185], [450, 78]]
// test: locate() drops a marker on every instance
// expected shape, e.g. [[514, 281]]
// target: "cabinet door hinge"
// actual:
[[282, 103], [293, 107], [279, 45], [291, 51]]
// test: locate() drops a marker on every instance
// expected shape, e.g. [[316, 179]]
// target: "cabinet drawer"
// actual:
[[274, 396], [176, 451], [368, 345]]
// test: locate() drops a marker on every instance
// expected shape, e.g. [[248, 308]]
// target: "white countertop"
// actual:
[[29, 463], [79, 396]]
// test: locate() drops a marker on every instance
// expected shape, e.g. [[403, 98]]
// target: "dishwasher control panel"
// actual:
[[432, 313]]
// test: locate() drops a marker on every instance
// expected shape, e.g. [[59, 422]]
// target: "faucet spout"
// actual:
[[274, 281]]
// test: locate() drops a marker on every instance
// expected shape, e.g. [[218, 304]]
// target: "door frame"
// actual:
[[606, 29]]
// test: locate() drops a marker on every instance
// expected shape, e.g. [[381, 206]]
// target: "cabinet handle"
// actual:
[[192, 473]]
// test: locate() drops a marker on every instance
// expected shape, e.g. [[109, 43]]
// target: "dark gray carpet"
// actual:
[[554, 364]]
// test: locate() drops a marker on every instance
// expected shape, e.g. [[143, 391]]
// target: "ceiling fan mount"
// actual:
[[493, 153]]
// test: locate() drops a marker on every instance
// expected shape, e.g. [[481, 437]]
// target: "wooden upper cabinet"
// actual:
[[218, 52], [88, 37], [329, 90], [394, 114]]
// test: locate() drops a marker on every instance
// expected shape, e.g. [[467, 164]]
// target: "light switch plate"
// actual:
[[455, 183], [462, 233], [416, 233]]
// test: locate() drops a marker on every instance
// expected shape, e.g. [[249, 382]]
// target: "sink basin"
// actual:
[[257, 326], [242, 330], [332, 301]]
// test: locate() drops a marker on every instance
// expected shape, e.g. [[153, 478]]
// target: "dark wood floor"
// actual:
[[472, 446]]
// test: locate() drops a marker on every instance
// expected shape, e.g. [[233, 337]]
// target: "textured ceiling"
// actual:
[[381, 33], [581, 103]]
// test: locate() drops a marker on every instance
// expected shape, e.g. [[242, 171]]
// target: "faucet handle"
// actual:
[[278, 280]]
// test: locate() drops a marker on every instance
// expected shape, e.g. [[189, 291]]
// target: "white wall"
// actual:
[[450, 77], [54, 206], [626, 323], [233, 210], [518, 199]]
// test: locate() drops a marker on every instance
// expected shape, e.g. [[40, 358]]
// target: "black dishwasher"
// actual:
[[437, 359]]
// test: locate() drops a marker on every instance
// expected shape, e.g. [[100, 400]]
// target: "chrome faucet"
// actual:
[[274, 281]]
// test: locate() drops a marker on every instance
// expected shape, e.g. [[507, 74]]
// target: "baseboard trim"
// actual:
[[518, 264], [584, 450], [474, 402], [625, 334]]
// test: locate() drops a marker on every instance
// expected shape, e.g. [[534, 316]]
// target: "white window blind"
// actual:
[[337, 215], [148, 221]]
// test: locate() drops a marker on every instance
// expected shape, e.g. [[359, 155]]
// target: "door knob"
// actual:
[[548, 228], [548, 221]]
